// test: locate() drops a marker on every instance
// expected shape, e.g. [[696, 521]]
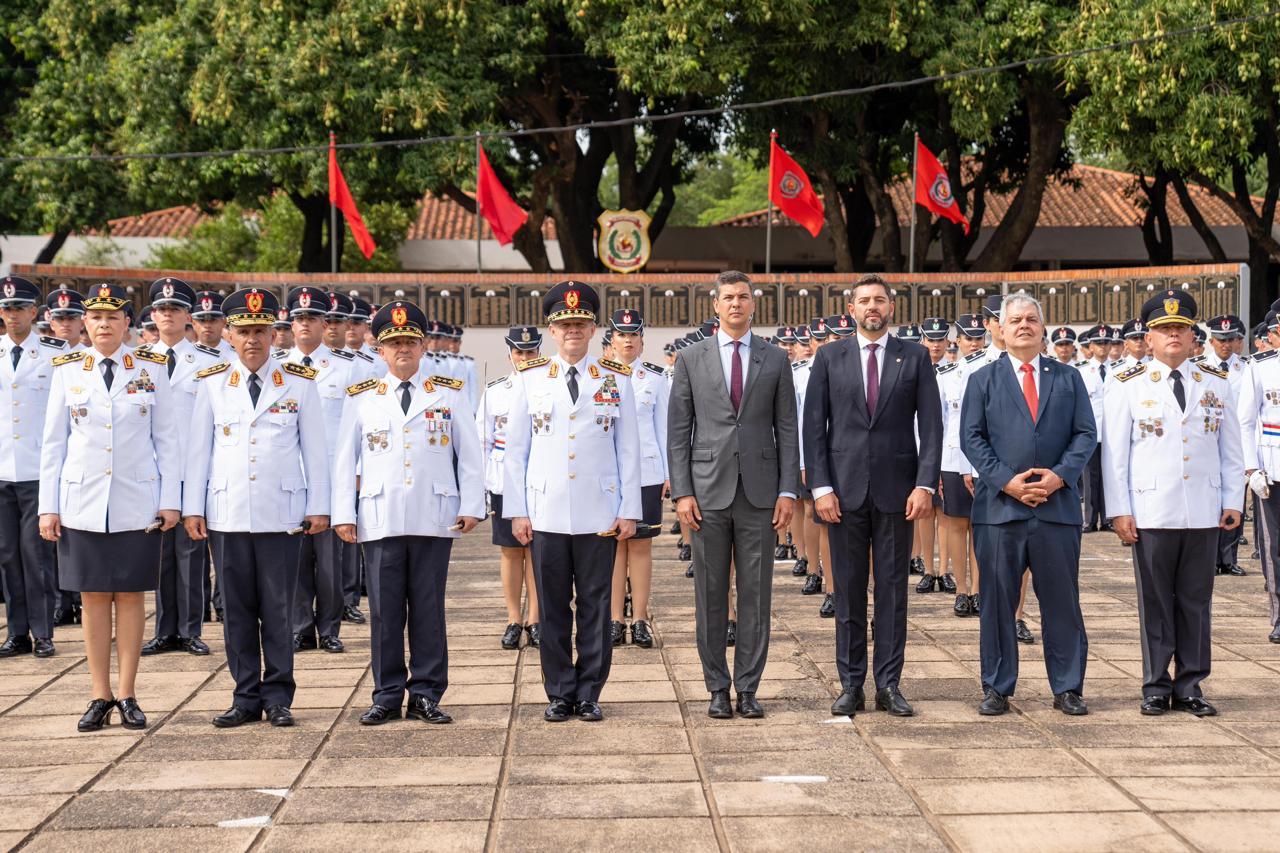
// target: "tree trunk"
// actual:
[[1189, 207], [1260, 293], [834, 216], [1156, 234], [860, 223], [314, 251], [886, 213], [52, 247], [528, 238]]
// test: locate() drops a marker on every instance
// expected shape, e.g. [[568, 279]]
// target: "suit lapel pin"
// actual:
[[899, 361]]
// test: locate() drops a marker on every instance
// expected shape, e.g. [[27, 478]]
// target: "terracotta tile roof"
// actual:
[[170, 222], [1089, 196]]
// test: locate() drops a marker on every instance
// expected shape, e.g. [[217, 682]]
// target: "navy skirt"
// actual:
[[108, 562]]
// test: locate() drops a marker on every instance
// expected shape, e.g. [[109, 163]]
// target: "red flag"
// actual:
[[933, 187], [340, 197], [497, 206], [790, 190]]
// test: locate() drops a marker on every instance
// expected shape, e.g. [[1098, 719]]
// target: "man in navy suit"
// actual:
[[866, 394], [1027, 428]]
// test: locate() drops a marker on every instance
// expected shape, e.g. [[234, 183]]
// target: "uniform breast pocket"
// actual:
[[377, 437], [372, 510], [215, 500], [284, 419], [295, 499], [226, 431], [71, 483], [446, 502]]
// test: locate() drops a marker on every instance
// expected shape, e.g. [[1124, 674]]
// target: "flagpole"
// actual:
[[479, 263], [768, 223], [333, 212], [911, 256]]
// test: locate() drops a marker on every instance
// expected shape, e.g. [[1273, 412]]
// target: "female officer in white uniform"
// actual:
[[109, 479]]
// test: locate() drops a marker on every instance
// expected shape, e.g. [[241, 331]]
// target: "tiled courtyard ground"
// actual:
[[657, 774]]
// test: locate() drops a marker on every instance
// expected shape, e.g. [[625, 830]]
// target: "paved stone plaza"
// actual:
[[657, 774]]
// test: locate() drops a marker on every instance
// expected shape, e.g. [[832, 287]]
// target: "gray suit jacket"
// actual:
[[709, 446]]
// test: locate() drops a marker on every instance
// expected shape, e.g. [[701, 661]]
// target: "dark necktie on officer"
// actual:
[[306, 361], [170, 361], [1102, 371], [1224, 366], [17, 354], [406, 395], [573, 384], [108, 372], [255, 386], [1178, 392]]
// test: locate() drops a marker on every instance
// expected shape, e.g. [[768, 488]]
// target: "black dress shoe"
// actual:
[[973, 605], [686, 552], [43, 648], [1023, 633], [1195, 706], [426, 710], [511, 636], [675, 526], [993, 704], [160, 645], [720, 709], [558, 710], [828, 608], [331, 644], [589, 712], [617, 633], [748, 707], [352, 614], [1235, 571], [76, 613], [801, 568], [1154, 706], [641, 635], [1089, 528], [280, 716], [208, 614], [1070, 703], [848, 703], [688, 570], [812, 585], [916, 566], [963, 607], [131, 716], [535, 634], [1274, 636], [236, 716], [64, 616], [731, 634], [194, 646], [304, 642], [218, 614], [927, 584], [890, 699], [780, 551], [379, 714], [97, 715], [948, 583], [15, 646]]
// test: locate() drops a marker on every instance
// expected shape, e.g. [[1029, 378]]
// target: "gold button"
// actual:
[[1186, 459], [573, 456], [572, 416], [572, 436], [253, 459], [15, 438], [408, 482], [15, 404], [253, 441], [108, 426], [1186, 476], [408, 464], [14, 385], [253, 476], [15, 420], [1184, 441], [408, 447], [572, 476], [108, 448], [108, 471], [406, 429]]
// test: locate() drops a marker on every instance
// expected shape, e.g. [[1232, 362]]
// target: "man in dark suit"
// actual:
[[866, 395], [735, 473], [1027, 428]]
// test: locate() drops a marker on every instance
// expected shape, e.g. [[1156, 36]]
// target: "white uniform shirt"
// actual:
[[800, 371], [952, 381], [191, 358], [335, 372], [24, 393], [651, 391], [1259, 408], [491, 425]]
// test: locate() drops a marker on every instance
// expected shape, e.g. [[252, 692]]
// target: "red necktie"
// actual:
[[1029, 390], [735, 377]]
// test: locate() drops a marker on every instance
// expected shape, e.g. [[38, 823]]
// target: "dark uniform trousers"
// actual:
[[352, 559], [407, 576], [1095, 510], [180, 601], [1229, 542], [26, 562], [1052, 552], [318, 604], [563, 565], [1175, 573], [258, 575], [1267, 518]]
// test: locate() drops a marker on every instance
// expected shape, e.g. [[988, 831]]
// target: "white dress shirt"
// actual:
[[725, 345], [1016, 364]]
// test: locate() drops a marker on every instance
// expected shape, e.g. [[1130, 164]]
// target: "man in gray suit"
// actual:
[[732, 443]]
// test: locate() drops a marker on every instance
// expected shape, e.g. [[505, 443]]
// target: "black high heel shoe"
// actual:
[[97, 716], [131, 716]]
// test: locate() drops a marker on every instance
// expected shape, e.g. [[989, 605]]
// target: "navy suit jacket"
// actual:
[[859, 454], [1000, 440]]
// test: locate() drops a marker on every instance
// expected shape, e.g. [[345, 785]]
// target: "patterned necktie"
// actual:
[[573, 384], [735, 377], [255, 387], [1178, 392], [406, 394], [171, 361], [108, 372], [1029, 390], [873, 379]]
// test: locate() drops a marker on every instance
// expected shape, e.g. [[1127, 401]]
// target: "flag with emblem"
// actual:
[[497, 206], [341, 198], [791, 191], [933, 187]]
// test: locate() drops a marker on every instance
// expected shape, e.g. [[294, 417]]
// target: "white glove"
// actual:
[[1258, 481]]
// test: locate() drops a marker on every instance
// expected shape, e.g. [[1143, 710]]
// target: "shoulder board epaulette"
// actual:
[[153, 357], [1116, 363], [300, 370], [56, 343], [796, 365], [652, 367], [358, 354], [975, 356], [533, 362], [1136, 370], [1082, 363], [209, 350], [279, 353], [497, 381], [1246, 358], [1214, 371], [468, 358], [1263, 356], [948, 367], [615, 366], [213, 370], [344, 354], [449, 382], [68, 358], [353, 390], [1197, 358]]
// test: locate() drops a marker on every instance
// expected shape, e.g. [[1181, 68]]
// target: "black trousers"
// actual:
[[1174, 570], [353, 562], [1095, 510], [1229, 542], [868, 541], [1267, 517], [258, 574], [26, 562], [407, 576], [574, 572], [180, 601], [317, 606]]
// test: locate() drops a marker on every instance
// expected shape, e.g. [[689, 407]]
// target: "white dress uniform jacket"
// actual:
[[1259, 408], [572, 467], [407, 485], [651, 392], [1094, 384], [800, 379], [191, 358], [953, 378], [491, 426], [24, 391], [335, 372], [257, 469], [1166, 467], [110, 458]]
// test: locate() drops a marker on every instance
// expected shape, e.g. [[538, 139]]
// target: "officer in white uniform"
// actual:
[[1174, 474], [257, 474], [412, 439], [1094, 373], [184, 562], [957, 500], [357, 343], [466, 364], [1134, 333], [1064, 345], [210, 323], [572, 473], [26, 560], [991, 323], [1226, 333], [319, 603]]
